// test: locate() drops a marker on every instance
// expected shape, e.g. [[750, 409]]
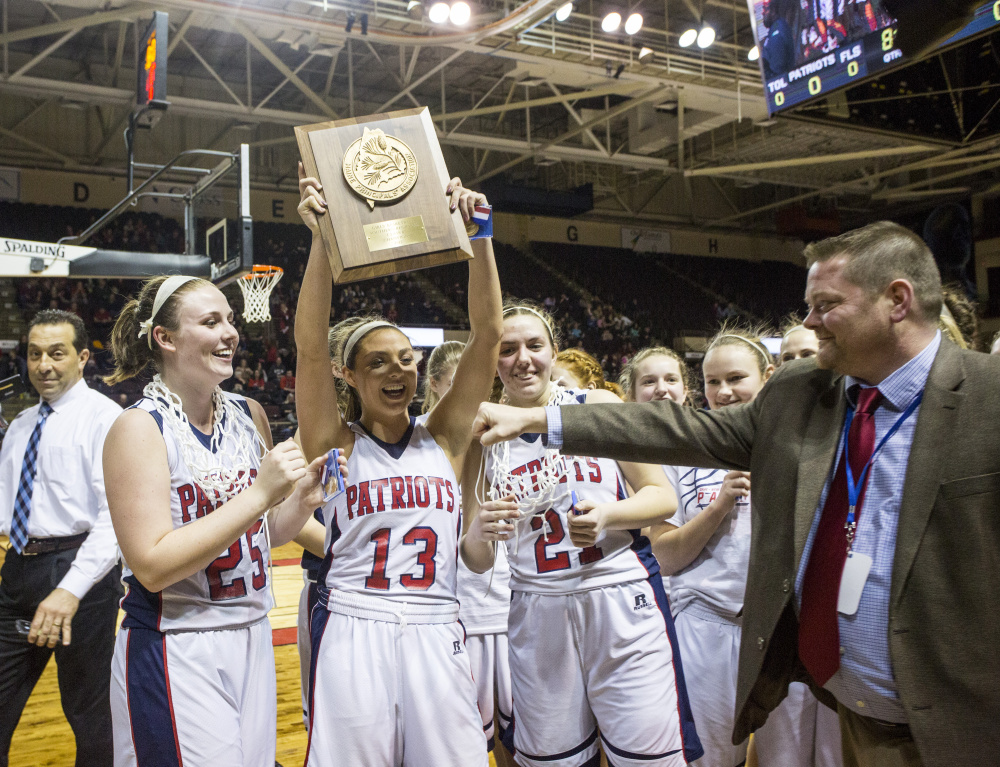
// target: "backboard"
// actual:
[[207, 190]]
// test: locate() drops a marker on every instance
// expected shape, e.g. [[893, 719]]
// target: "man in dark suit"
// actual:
[[914, 663]]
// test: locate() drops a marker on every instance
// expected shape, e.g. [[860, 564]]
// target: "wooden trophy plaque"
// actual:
[[384, 180]]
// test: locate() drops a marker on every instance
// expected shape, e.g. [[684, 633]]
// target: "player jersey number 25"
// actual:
[[223, 584]]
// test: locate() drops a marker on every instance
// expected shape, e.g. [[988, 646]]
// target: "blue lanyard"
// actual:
[[854, 488]]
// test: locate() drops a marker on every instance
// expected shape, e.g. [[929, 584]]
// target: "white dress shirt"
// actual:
[[68, 497]]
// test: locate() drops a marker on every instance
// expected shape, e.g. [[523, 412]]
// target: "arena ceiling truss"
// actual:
[[680, 137]]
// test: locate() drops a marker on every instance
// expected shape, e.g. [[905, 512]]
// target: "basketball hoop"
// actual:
[[257, 287]]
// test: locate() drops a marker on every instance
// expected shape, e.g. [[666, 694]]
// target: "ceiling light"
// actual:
[[460, 13], [611, 22], [633, 24], [439, 13], [688, 38], [706, 37], [644, 52], [414, 9], [753, 54], [564, 11]]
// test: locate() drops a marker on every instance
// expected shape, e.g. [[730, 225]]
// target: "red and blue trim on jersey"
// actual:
[[395, 449], [150, 708]]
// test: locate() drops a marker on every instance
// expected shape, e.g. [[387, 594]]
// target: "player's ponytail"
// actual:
[[134, 350]]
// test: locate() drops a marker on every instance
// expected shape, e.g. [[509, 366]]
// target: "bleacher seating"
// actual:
[[611, 302]]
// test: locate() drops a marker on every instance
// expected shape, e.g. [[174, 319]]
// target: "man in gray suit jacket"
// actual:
[[914, 664]]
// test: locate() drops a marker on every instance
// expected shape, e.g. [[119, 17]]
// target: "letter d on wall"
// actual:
[[81, 192]]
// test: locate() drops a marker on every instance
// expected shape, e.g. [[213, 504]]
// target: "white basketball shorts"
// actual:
[[710, 647], [391, 693], [194, 698], [491, 669], [599, 663], [801, 732]]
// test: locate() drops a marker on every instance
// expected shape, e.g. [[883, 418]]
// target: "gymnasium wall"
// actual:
[[91, 190]]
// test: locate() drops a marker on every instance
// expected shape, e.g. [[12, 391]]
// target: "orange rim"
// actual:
[[261, 270]]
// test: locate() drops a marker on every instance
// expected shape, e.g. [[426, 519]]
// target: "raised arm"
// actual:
[[138, 487], [451, 421], [321, 425], [483, 528]]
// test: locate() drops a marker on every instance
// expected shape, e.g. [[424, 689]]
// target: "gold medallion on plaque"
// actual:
[[380, 168]]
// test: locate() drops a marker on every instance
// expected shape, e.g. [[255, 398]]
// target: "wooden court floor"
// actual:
[[44, 738]]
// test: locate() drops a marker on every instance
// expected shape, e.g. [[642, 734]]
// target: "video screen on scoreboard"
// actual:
[[812, 47]]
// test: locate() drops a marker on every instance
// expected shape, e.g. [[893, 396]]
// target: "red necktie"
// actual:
[[819, 634]]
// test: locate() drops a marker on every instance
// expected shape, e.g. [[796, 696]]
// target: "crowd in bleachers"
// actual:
[[265, 362], [609, 302]]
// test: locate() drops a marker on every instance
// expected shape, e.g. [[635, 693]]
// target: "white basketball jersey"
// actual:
[[232, 591], [542, 558], [394, 532], [484, 598], [717, 577]]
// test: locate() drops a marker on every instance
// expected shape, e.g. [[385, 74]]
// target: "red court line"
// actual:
[[284, 636], [285, 562]]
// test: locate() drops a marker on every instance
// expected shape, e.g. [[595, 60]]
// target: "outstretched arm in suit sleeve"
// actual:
[[662, 432]]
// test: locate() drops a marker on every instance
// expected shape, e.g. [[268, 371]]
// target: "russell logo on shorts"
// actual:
[[641, 603], [458, 647]]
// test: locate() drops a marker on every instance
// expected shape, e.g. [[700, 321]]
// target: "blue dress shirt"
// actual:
[[865, 682]]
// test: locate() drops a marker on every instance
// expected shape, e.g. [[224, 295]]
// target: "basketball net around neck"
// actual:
[[535, 492], [205, 464], [228, 421]]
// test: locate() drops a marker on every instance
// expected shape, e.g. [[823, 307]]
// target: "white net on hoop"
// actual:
[[234, 442], [256, 287], [535, 491], [219, 473]]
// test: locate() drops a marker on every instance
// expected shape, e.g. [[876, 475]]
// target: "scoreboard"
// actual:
[[829, 54], [151, 88]]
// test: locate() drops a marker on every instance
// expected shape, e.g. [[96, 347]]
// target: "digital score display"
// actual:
[[809, 48], [152, 63]]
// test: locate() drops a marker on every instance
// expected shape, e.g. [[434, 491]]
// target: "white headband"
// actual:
[[360, 332], [764, 355], [538, 314], [167, 288], [792, 330]]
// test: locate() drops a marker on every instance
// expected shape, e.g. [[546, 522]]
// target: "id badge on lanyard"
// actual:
[[858, 565]]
